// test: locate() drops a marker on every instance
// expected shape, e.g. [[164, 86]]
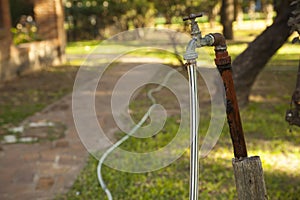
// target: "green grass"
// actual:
[[287, 55], [31, 93], [82, 47], [266, 133], [12, 114]]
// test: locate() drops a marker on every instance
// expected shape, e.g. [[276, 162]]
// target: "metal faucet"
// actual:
[[190, 56], [197, 39]]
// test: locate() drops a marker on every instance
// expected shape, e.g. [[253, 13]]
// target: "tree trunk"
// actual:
[[238, 12], [251, 10], [249, 64], [227, 18], [168, 19], [268, 10], [212, 14]]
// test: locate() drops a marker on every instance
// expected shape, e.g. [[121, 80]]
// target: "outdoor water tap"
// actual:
[[197, 39], [190, 56]]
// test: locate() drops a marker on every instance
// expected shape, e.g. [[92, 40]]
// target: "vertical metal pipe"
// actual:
[[223, 62], [194, 160]]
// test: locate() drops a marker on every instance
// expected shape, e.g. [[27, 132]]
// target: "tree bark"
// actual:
[[251, 10], [249, 64], [212, 14], [227, 18], [238, 12]]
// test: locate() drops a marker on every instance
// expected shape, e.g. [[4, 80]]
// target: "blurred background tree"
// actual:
[[19, 8], [22, 19], [91, 19], [227, 18], [250, 63], [95, 19], [294, 21]]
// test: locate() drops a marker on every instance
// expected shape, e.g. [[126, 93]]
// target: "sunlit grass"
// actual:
[[287, 55]]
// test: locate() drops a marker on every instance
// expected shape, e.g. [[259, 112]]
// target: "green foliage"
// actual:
[[22, 16], [89, 19], [20, 36], [85, 16]]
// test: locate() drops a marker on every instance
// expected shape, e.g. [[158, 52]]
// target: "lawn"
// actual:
[[286, 56], [267, 135], [31, 93]]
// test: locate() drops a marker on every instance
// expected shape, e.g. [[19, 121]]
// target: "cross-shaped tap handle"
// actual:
[[192, 16]]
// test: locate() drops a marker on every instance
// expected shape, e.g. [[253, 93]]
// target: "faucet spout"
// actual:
[[197, 42], [191, 53]]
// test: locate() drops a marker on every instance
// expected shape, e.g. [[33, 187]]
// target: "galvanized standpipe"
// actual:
[[194, 159]]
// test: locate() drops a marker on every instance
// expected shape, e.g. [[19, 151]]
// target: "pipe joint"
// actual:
[[207, 40], [219, 42]]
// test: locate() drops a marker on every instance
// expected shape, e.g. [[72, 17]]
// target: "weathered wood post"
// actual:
[[249, 178], [248, 171]]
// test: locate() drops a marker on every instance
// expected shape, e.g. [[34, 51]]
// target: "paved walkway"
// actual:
[[43, 170]]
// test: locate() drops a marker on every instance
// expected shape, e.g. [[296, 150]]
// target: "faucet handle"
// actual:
[[192, 16]]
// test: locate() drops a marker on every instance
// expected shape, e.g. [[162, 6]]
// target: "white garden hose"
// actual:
[[131, 132]]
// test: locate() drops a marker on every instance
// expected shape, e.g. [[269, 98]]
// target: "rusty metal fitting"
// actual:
[[219, 41], [222, 58]]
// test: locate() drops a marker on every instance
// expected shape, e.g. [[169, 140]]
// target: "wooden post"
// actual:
[[249, 178]]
